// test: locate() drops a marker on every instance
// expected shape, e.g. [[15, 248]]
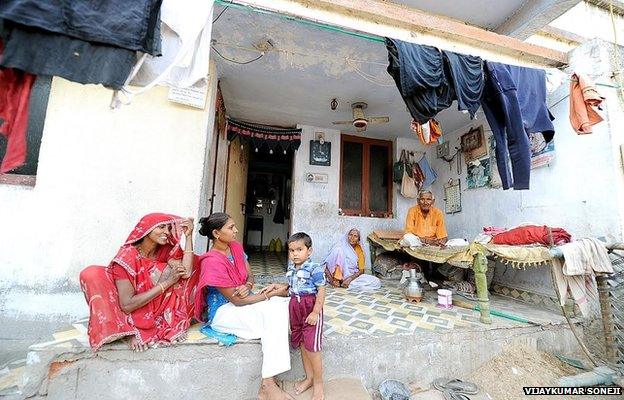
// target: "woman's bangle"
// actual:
[[188, 251], [162, 288], [250, 284]]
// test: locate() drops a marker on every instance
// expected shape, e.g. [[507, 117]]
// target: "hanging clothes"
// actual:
[[514, 103], [186, 35], [583, 98], [15, 89], [430, 174], [421, 77], [45, 53], [466, 73], [428, 132], [132, 25], [429, 80]]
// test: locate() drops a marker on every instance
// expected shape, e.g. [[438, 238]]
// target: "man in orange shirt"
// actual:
[[426, 221]]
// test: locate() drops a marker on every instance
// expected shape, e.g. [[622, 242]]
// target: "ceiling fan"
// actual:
[[360, 121]]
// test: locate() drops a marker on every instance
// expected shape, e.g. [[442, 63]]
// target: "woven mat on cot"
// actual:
[[459, 255], [519, 256], [390, 235]]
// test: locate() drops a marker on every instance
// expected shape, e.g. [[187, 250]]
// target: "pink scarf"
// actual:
[[218, 271]]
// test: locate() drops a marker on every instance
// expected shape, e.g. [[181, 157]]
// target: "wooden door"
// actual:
[[236, 186]]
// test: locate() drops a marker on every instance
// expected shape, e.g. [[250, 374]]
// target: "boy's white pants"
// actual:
[[265, 320]]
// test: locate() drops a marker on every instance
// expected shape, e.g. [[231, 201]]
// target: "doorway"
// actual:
[[268, 200]]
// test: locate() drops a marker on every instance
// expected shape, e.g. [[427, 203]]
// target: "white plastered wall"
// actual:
[[99, 172], [315, 205]]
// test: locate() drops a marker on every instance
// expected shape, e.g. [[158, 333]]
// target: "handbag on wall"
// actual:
[[408, 186], [398, 168]]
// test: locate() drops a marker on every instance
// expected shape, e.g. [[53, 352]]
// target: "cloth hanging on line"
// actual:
[[260, 135], [420, 77], [81, 41], [467, 76], [46, 53], [429, 80], [15, 89], [514, 103], [132, 25], [186, 35], [583, 98], [430, 174]]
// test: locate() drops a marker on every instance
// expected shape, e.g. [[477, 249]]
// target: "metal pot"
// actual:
[[414, 291]]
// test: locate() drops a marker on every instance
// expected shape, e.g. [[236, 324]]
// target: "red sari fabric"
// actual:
[[164, 318], [218, 271], [15, 87], [533, 234]]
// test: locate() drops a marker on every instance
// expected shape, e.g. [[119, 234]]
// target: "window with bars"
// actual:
[[365, 176]]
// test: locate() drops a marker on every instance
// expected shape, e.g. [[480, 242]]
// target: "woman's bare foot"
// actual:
[[303, 385], [135, 345], [318, 393]]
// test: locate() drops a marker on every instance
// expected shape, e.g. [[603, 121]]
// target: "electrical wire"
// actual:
[[237, 62], [222, 11], [351, 62]]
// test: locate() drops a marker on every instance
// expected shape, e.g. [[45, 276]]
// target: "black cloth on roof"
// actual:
[[421, 78], [430, 80], [467, 75], [132, 25], [45, 53]]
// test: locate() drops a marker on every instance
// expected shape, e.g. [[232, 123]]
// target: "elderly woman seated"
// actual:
[[344, 266]]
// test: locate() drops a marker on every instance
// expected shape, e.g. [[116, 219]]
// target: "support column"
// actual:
[[607, 318], [480, 266]]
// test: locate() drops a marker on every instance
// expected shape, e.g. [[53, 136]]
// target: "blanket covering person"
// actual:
[[532, 234], [166, 317], [346, 260]]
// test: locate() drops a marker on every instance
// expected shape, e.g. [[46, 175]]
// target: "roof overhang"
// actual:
[[410, 24]]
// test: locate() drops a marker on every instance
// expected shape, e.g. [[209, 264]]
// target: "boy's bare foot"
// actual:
[[270, 391], [318, 393], [303, 385]]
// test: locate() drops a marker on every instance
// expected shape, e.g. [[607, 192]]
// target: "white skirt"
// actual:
[[265, 320]]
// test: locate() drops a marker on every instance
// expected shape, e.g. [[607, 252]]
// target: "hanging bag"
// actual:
[[398, 168], [408, 186]]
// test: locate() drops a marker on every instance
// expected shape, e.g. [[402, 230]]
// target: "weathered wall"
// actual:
[[315, 205], [99, 172]]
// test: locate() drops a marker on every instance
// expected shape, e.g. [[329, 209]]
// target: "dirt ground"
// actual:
[[503, 377]]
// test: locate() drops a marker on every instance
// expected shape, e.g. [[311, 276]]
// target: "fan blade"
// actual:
[[378, 120], [362, 129], [342, 122]]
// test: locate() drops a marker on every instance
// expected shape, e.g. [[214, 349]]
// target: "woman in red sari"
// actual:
[[148, 290]]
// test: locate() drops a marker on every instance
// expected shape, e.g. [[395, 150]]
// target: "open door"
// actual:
[[236, 186]]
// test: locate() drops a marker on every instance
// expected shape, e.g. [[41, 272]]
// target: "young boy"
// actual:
[[307, 295]]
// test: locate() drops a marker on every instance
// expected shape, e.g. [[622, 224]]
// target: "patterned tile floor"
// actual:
[[378, 313]]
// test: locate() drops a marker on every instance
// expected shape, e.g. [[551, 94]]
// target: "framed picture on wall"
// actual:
[[320, 153]]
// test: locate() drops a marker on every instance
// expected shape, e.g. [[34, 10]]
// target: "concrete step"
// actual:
[[206, 370]]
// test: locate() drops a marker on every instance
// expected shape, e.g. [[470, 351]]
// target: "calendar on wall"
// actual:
[[452, 196]]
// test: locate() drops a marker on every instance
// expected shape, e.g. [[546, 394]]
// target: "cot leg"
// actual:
[[480, 266]]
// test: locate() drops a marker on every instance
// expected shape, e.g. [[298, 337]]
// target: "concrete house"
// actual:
[[300, 65]]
